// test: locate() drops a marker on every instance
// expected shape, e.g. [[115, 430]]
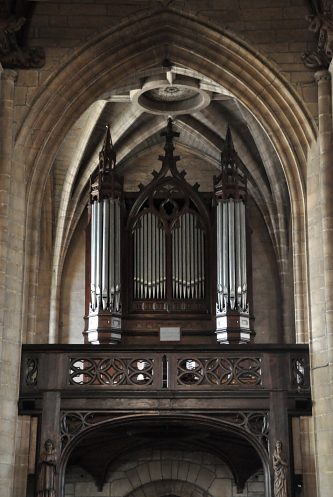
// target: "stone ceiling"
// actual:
[[137, 112]]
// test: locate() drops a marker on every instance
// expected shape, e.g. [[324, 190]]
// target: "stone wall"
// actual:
[[73, 289]]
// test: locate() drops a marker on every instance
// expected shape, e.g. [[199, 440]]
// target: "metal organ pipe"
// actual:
[[231, 255], [116, 259], [243, 256], [112, 255], [225, 255], [238, 248], [149, 258], [195, 259], [231, 240], [98, 253], [188, 255], [93, 301], [162, 276], [105, 255]]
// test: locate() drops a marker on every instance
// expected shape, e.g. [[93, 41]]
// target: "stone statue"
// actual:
[[280, 468], [47, 471]]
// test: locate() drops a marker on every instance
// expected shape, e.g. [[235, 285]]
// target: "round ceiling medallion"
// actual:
[[180, 96]]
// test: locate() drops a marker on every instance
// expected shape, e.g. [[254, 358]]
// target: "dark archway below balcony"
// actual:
[[100, 450]]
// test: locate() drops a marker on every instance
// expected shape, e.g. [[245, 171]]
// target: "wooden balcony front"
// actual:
[[243, 376]]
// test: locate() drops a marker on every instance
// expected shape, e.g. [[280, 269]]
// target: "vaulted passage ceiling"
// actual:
[[177, 434]]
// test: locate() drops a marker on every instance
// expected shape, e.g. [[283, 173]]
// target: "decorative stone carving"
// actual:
[[280, 468], [47, 471], [11, 54], [322, 25], [170, 94]]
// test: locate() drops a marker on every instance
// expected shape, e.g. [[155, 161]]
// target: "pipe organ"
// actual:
[[161, 247], [232, 308], [169, 238]]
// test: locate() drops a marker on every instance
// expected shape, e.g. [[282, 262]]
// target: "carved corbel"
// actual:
[[322, 25], [12, 55]]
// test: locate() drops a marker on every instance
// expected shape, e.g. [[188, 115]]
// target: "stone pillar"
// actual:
[[323, 79], [322, 363], [12, 205]]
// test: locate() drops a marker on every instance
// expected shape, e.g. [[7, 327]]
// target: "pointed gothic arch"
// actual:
[[138, 44]]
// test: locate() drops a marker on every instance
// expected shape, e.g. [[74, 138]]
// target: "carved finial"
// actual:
[[107, 156], [106, 183], [230, 183], [169, 136], [228, 153]]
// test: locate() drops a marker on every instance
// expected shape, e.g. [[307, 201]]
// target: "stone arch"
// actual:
[[170, 488], [199, 421], [104, 62]]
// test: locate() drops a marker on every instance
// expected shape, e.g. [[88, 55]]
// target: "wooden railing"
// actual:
[[82, 368]]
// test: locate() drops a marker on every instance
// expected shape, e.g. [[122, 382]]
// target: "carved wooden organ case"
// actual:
[[168, 257]]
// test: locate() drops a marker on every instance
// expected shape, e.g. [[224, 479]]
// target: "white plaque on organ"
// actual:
[[170, 334]]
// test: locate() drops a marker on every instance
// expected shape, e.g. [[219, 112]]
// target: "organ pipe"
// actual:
[[188, 255], [105, 255], [231, 256], [149, 247]]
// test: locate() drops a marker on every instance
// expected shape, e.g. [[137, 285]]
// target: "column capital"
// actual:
[[8, 75], [321, 75]]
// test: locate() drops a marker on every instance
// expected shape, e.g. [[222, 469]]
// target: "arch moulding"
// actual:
[[137, 45]]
